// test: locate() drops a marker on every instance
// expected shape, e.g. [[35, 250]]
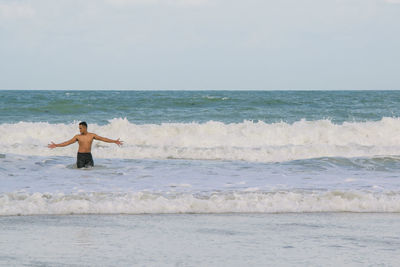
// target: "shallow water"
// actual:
[[322, 239], [53, 185]]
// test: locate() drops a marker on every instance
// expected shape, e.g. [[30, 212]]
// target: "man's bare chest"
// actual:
[[85, 140]]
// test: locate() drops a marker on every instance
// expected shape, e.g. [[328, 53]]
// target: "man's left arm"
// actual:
[[107, 140]]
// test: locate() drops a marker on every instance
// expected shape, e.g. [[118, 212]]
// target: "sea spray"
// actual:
[[213, 140], [227, 202]]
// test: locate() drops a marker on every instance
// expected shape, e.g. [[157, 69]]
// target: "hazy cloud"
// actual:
[[158, 2], [214, 44], [15, 10]]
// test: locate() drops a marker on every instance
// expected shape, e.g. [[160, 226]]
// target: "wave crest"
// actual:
[[249, 141], [145, 202]]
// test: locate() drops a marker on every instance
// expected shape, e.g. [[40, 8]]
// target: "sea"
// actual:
[[203, 178]]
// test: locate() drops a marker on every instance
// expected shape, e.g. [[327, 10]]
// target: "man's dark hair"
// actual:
[[83, 123]]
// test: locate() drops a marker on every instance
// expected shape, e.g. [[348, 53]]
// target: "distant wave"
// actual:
[[248, 141], [241, 202]]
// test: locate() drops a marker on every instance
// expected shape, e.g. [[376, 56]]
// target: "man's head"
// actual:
[[83, 127]]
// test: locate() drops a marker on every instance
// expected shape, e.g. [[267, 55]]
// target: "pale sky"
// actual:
[[200, 44]]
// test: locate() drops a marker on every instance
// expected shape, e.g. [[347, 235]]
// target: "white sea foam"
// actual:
[[241, 202], [249, 141]]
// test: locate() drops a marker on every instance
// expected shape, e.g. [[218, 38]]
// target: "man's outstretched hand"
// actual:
[[118, 142], [52, 145]]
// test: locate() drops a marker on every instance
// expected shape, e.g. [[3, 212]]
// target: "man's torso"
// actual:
[[85, 142]]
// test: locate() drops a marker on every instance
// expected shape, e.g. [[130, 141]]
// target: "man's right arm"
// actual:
[[66, 143]]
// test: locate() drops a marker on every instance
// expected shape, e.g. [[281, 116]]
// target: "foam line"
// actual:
[[248, 141], [239, 202]]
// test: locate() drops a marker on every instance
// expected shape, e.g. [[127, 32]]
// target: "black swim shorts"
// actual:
[[84, 160]]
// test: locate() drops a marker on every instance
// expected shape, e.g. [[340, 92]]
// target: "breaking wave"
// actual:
[[248, 141], [240, 202]]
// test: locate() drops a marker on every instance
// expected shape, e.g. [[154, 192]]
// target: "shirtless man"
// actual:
[[85, 140]]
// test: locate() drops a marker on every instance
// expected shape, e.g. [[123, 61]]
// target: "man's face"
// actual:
[[82, 129]]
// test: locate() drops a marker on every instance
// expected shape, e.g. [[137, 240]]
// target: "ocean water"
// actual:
[[261, 171]]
